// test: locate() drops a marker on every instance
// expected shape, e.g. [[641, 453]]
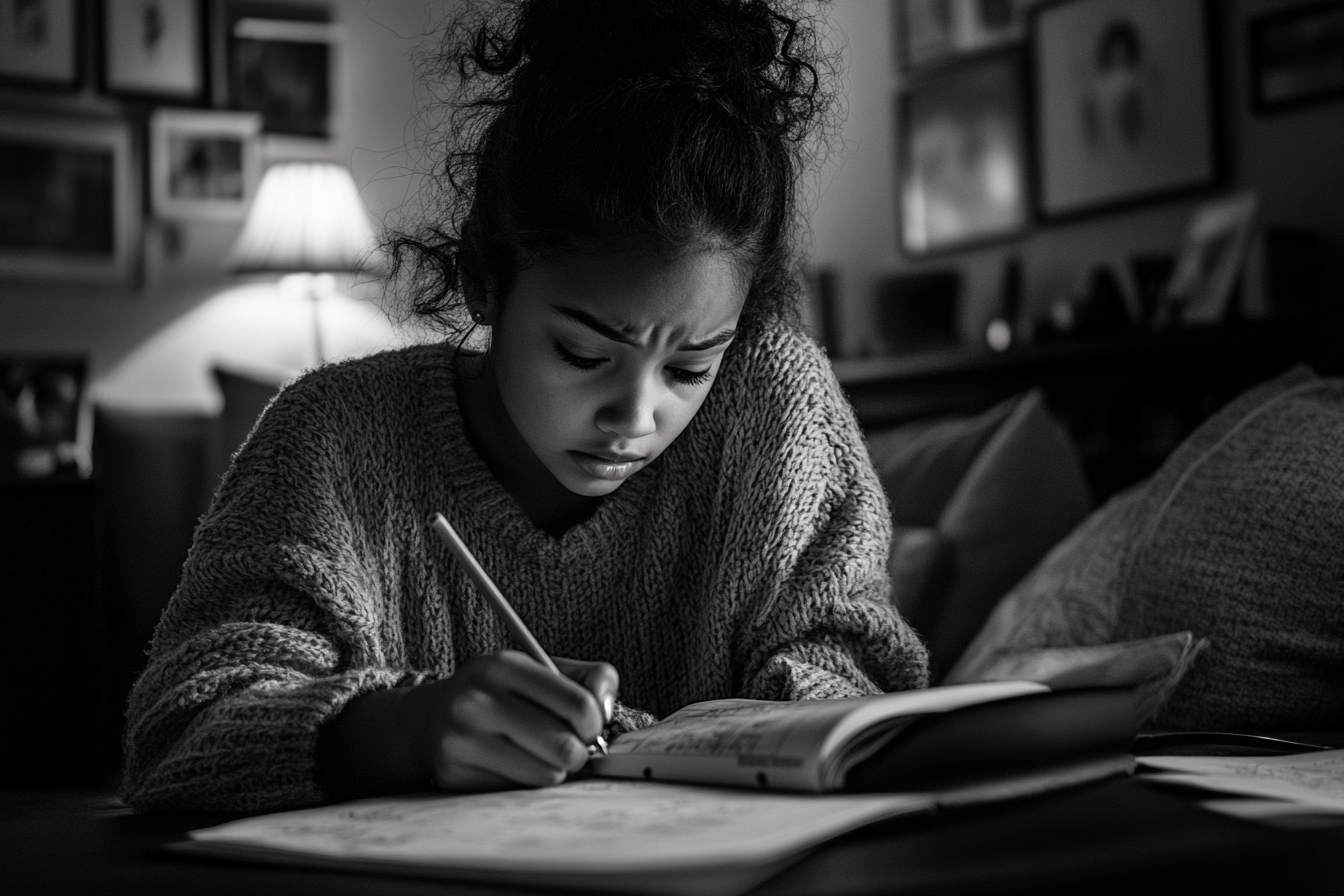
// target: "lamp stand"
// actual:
[[316, 299]]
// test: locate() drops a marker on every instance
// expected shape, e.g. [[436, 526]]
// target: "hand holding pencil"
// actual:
[[597, 681]]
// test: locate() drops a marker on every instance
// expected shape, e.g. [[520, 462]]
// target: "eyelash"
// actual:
[[680, 375]]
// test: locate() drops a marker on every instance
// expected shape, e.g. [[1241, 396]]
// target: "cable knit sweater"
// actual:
[[748, 560]]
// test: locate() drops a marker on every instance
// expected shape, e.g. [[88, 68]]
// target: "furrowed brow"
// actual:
[[605, 330], [615, 334], [714, 341]]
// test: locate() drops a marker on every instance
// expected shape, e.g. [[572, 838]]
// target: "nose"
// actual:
[[630, 412]]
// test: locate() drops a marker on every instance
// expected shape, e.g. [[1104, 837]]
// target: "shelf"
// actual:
[[1126, 400]]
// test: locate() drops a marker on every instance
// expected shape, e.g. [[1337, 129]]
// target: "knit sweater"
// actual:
[[748, 560]]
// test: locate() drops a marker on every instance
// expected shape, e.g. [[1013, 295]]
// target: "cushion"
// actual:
[[977, 502], [1025, 491], [920, 565], [921, 463], [1238, 539]]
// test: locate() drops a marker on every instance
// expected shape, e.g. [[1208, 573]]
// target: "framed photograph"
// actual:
[[69, 200], [45, 418], [930, 31], [1297, 57], [286, 69], [1125, 102], [1217, 244], [203, 164], [962, 152], [153, 48], [39, 43]]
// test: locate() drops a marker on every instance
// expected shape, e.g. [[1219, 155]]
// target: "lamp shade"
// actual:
[[307, 217]]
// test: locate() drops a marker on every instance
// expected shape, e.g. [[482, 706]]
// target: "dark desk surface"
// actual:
[[1118, 836]]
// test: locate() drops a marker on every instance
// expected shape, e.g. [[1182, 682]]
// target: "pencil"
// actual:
[[498, 602]]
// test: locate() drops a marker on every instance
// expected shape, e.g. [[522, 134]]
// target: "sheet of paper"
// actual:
[[1308, 779], [583, 827]]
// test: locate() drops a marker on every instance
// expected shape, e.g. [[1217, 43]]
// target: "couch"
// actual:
[[1215, 585]]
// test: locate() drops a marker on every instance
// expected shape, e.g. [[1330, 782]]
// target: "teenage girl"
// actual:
[[653, 463]]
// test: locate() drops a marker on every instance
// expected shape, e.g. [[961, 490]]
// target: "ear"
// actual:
[[479, 305]]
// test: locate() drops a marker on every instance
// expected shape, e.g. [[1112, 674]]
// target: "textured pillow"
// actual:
[[1238, 539], [921, 463], [920, 564], [976, 502], [1025, 491]]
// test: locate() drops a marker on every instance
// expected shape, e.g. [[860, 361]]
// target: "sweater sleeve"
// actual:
[[818, 621], [273, 628]]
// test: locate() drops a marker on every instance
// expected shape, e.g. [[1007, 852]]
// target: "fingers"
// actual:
[[491, 763], [560, 696], [507, 721], [548, 739], [600, 679]]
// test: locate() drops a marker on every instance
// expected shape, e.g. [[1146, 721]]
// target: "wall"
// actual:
[[1292, 158], [150, 345]]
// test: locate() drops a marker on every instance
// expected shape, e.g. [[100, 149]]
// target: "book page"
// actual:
[[583, 827], [1313, 779], [787, 744]]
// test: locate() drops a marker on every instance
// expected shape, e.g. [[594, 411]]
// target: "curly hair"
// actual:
[[597, 126]]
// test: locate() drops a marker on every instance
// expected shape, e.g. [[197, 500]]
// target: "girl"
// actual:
[[656, 467]]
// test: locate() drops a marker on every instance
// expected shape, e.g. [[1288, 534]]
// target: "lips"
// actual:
[[608, 465]]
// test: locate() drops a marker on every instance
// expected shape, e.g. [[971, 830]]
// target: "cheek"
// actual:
[[537, 394], [679, 415]]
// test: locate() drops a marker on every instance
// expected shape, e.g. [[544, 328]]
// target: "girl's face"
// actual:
[[600, 362]]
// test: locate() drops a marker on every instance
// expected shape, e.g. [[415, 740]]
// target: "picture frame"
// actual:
[[39, 43], [1125, 103], [153, 48], [46, 419], [1217, 245], [283, 61], [204, 164], [69, 199], [1297, 57], [933, 31], [962, 149]]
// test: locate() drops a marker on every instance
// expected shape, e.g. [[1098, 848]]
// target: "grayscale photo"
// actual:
[[674, 447]]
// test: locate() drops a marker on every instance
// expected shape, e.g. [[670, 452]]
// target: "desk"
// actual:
[[1116, 836]]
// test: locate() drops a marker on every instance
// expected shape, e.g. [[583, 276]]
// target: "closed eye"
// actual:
[[689, 377], [581, 362]]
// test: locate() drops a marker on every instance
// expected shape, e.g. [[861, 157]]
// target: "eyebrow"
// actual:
[[615, 334]]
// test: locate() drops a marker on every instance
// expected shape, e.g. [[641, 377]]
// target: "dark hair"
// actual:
[[593, 126]]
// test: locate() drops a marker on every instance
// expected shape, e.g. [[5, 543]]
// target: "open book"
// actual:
[[919, 749], [912, 741]]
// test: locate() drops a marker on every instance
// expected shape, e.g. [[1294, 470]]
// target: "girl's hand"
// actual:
[[499, 721], [505, 720]]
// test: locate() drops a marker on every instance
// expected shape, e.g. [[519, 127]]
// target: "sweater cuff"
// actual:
[[256, 750]]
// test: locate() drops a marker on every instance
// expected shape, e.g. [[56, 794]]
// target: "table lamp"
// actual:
[[307, 218]]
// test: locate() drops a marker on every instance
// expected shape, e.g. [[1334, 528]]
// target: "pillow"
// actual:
[[1238, 539], [920, 564], [976, 502], [921, 463], [1025, 491]]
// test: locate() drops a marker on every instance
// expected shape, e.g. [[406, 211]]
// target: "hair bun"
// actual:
[[738, 53]]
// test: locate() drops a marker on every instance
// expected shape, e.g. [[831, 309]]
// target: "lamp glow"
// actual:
[[306, 218]]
